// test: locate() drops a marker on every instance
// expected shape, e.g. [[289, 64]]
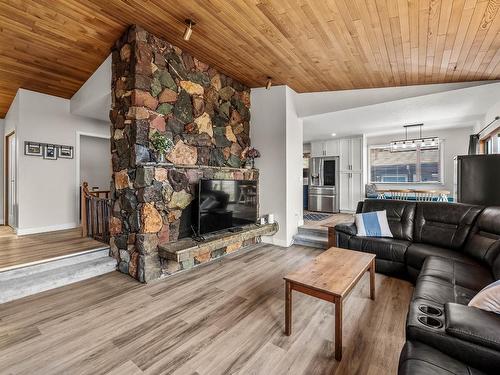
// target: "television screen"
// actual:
[[225, 204]]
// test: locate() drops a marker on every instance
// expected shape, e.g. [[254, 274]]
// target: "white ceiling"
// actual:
[[381, 111]]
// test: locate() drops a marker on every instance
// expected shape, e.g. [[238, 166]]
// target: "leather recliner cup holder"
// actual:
[[429, 321], [430, 310]]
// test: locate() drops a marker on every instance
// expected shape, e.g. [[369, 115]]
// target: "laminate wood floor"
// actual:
[[16, 250], [334, 219], [226, 317]]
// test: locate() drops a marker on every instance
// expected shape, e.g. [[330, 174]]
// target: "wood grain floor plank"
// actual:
[[16, 250], [223, 317]]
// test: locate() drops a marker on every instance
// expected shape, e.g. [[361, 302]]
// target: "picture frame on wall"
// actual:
[[65, 152], [33, 149], [50, 152]]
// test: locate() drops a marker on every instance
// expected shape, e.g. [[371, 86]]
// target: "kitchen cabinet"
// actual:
[[317, 149], [351, 154], [351, 173], [325, 148], [332, 147], [350, 190]]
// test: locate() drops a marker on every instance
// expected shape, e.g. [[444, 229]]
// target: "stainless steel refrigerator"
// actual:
[[477, 179], [323, 180]]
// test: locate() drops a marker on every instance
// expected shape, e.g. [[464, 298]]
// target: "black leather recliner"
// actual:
[[450, 251]]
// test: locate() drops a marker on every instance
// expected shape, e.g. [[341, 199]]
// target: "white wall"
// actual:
[[48, 189], [294, 159], [458, 108], [489, 118], [315, 103], [93, 99], [11, 124], [95, 162], [455, 142], [2, 148], [276, 132], [268, 135]]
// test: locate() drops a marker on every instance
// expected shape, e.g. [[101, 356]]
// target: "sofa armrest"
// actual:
[[359, 207], [347, 228], [473, 325]]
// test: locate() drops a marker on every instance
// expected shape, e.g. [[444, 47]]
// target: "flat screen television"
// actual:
[[226, 204]]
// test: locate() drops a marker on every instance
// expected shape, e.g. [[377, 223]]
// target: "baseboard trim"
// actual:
[[51, 228], [274, 241]]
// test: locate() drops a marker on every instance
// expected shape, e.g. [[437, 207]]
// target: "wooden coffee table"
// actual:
[[330, 277]]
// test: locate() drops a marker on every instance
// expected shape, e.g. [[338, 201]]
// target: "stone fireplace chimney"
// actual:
[[156, 87]]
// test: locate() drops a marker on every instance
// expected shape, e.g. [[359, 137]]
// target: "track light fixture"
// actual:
[[189, 29], [269, 83]]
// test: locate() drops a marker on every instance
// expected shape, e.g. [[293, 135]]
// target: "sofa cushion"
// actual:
[[419, 359], [439, 291], [373, 224], [444, 280], [484, 240], [444, 224], [417, 252], [474, 276], [384, 248], [400, 215]]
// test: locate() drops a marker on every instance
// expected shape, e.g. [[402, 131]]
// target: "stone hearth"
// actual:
[[187, 253], [159, 88]]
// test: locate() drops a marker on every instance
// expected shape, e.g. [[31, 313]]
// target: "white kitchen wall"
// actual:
[[455, 142], [48, 189], [276, 132], [95, 162]]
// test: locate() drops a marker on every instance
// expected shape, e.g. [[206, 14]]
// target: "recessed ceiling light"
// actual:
[[334, 134]]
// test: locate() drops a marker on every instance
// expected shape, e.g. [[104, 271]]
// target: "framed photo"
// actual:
[[33, 149], [50, 152], [65, 152]]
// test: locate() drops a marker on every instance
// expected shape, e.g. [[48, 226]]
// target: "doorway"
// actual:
[[93, 164], [10, 180]]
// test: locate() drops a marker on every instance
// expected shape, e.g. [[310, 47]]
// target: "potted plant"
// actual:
[[162, 145], [250, 154]]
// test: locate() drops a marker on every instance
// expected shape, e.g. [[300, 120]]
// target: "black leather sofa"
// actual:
[[450, 251]]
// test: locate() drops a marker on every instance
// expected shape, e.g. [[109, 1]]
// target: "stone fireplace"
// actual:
[[156, 87]]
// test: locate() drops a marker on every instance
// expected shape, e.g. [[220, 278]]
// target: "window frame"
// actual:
[[493, 140], [441, 168]]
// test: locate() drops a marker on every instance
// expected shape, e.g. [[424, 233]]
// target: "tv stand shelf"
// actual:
[[186, 252]]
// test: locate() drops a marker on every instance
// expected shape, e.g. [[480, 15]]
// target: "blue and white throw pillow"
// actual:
[[488, 298], [373, 224]]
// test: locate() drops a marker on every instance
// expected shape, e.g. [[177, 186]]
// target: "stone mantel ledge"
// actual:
[[187, 253], [190, 166]]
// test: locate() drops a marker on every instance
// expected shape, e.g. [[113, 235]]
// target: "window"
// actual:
[[404, 167], [490, 144]]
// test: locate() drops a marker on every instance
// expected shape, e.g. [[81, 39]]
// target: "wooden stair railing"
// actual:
[[95, 213]]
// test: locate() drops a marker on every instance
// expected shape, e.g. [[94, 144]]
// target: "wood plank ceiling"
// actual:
[[53, 46]]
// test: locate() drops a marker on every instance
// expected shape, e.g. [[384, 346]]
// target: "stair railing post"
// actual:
[[83, 215]]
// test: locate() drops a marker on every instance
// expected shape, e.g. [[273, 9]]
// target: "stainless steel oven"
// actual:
[[323, 180]]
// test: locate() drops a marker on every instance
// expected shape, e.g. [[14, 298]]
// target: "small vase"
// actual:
[[253, 163], [160, 156]]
